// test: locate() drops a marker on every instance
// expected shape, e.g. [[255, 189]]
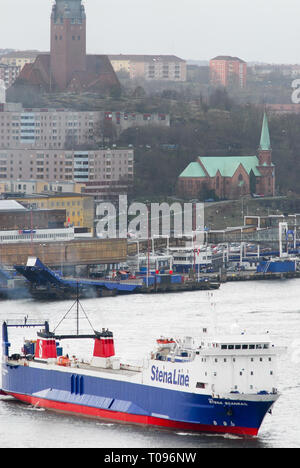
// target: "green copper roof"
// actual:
[[265, 136], [227, 165], [193, 170]]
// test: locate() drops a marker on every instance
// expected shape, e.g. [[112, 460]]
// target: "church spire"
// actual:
[[265, 144]]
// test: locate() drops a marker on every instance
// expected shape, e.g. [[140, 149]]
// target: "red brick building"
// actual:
[[68, 67], [228, 71], [230, 177]]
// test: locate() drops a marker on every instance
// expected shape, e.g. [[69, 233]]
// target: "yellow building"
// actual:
[[19, 58], [121, 65], [79, 207]]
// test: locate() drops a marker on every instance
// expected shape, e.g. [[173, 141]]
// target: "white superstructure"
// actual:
[[220, 366]]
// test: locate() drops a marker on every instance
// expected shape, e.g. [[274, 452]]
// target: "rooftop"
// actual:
[[146, 58], [228, 58], [265, 143], [226, 165], [9, 205], [22, 54]]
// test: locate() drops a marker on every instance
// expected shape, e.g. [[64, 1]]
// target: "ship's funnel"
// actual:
[[46, 346], [104, 349]]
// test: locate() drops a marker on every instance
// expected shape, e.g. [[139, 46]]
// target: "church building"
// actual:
[[68, 67], [231, 177]]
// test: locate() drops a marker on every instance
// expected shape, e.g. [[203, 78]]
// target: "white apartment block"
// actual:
[[9, 73], [61, 128]]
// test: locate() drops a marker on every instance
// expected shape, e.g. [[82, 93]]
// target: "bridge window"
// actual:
[[200, 385]]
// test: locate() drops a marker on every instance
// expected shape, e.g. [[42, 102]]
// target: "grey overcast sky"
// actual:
[[254, 30]]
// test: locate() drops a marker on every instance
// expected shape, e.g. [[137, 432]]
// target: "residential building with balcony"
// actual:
[[228, 71], [151, 67], [63, 128]]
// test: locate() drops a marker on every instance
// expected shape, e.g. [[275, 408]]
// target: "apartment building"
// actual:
[[2, 92], [33, 186], [78, 209], [228, 71], [78, 166], [61, 128], [9, 73], [150, 67], [19, 58]]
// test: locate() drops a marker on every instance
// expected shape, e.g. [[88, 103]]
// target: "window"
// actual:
[[200, 385]]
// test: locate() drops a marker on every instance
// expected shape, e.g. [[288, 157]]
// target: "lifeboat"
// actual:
[[165, 341], [63, 361]]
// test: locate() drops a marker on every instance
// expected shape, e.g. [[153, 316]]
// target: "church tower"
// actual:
[[68, 42], [265, 150], [266, 183]]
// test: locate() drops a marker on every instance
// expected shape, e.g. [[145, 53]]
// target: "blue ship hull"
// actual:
[[124, 401]]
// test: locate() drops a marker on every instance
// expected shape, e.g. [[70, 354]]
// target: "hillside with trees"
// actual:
[[209, 124], [218, 128]]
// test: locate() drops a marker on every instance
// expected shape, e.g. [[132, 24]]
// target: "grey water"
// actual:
[[137, 321]]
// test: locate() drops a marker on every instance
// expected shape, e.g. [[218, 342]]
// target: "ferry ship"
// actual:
[[224, 384], [196, 259]]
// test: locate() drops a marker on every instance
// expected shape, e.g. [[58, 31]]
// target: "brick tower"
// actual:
[[266, 183], [68, 42]]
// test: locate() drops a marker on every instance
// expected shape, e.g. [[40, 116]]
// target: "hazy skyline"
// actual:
[[256, 30]]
